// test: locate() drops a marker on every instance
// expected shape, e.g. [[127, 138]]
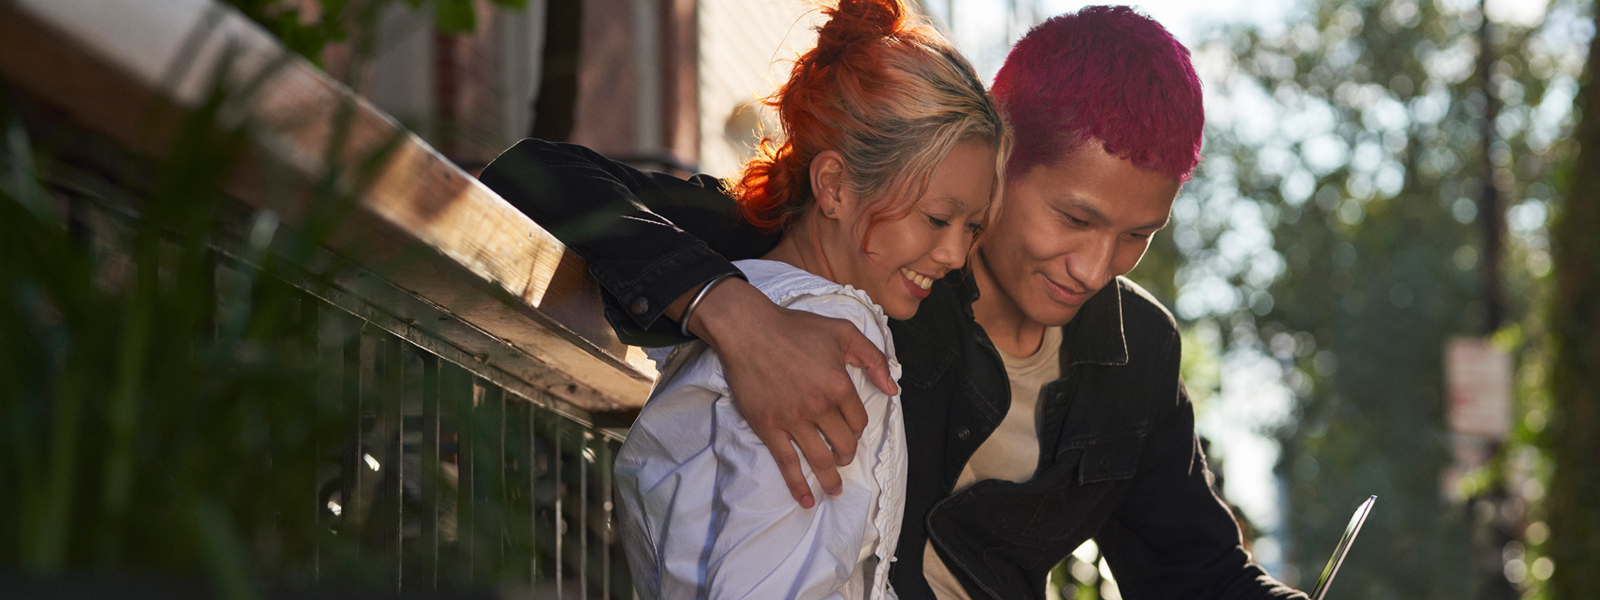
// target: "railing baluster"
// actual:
[[583, 514], [432, 481], [500, 489], [488, 466], [610, 527], [560, 517], [533, 495], [519, 504], [310, 343], [352, 468], [466, 506], [394, 431]]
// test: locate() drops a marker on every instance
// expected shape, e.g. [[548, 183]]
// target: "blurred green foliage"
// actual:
[[153, 417], [1332, 227], [1573, 407], [152, 420]]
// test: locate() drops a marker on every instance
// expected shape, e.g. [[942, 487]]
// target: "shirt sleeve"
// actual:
[[1172, 537], [770, 547], [648, 238]]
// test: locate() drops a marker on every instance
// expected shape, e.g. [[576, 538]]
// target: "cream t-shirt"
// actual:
[[1011, 452]]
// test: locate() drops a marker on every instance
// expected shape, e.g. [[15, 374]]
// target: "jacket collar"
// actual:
[[1095, 335]]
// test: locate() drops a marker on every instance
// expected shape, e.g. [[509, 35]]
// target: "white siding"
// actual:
[[739, 42]]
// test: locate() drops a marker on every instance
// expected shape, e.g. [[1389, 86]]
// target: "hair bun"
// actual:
[[884, 90], [853, 22]]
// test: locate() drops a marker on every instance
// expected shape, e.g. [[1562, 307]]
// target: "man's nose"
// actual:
[[1091, 264]]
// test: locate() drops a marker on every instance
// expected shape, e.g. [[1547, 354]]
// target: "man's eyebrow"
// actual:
[[1080, 205], [1156, 224], [1096, 216]]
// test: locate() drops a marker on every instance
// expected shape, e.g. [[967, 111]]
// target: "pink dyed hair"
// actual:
[[1106, 73]]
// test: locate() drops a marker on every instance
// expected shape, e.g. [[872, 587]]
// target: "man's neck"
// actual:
[[1010, 329]]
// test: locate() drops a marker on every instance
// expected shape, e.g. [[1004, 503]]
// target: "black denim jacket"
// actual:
[[1119, 461]]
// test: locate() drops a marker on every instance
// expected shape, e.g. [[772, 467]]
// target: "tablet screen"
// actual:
[[1350, 532]]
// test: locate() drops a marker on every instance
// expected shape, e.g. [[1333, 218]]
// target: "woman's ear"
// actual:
[[828, 183]]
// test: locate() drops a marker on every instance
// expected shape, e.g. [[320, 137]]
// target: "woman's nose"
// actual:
[[951, 252]]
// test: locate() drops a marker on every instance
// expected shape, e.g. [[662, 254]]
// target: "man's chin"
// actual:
[[1054, 314]]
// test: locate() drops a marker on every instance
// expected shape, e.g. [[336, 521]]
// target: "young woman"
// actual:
[[890, 165]]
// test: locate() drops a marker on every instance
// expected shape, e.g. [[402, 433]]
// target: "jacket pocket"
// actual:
[[1111, 459], [1077, 495]]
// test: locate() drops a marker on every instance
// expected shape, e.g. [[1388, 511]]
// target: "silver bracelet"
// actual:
[[683, 322]]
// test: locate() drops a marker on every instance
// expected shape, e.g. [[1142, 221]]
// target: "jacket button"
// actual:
[[639, 306], [963, 433]]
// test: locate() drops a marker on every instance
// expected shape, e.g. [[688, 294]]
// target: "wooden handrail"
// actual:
[[128, 69]]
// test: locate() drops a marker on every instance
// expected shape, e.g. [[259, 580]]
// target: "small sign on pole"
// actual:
[[1479, 377]]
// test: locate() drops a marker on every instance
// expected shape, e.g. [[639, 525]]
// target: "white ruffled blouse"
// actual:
[[705, 512]]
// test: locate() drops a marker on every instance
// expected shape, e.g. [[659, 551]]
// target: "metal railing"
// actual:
[[451, 479], [452, 473]]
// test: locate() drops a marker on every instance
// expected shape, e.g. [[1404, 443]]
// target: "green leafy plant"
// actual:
[[158, 417]]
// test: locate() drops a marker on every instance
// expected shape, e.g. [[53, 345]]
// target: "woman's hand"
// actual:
[[786, 370]]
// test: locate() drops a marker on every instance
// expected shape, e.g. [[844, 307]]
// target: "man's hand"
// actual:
[[786, 369]]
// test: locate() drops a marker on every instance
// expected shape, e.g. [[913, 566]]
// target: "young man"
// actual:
[[1041, 392]]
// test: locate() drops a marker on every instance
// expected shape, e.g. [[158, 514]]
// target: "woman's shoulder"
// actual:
[[792, 287], [786, 284]]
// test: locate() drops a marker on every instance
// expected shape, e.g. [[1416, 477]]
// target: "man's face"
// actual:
[[1070, 228]]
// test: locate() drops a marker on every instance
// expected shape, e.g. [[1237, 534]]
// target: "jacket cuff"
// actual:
[[634, 307]]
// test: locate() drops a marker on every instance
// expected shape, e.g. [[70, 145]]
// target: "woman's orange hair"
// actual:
[[888, 94]]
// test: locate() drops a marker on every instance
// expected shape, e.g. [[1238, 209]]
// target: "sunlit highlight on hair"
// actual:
[[889, 95]]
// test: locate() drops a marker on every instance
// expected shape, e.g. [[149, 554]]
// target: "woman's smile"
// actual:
[[918, 284], [932, 238]]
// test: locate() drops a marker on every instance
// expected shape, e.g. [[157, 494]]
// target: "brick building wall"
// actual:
[[663, 84]]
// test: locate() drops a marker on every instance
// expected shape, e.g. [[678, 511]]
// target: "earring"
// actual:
[[831, 211]]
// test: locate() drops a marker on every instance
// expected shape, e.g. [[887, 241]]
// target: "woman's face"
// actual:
[[905, 256]]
